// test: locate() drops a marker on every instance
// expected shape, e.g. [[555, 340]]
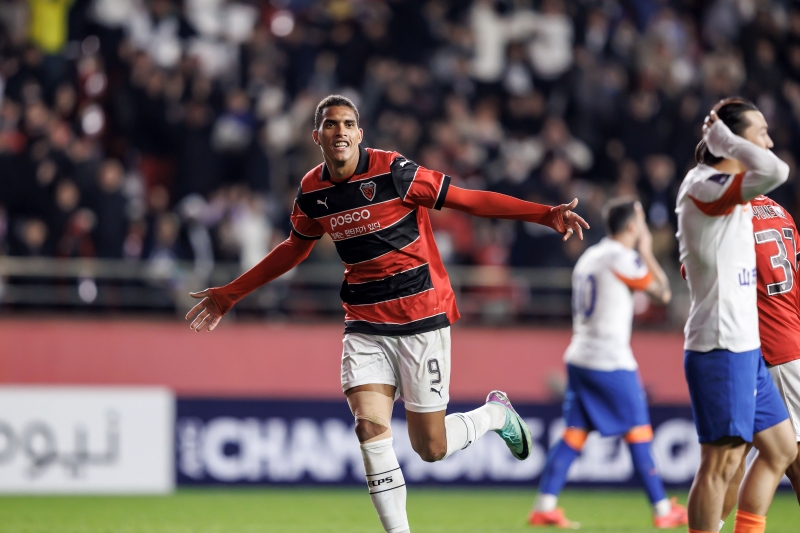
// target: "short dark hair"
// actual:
[[617, 213], [331, 101], [730, 111]]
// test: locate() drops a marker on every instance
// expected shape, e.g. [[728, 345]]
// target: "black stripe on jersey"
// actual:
[[432, 323], [399, 285], [346, 196], [442, 193], [306, 237], [372, 245]]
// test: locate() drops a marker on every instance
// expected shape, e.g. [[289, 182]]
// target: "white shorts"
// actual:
[[418, 365], [787, 379]]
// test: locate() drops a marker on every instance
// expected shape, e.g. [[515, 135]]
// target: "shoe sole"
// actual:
[[527, 441]]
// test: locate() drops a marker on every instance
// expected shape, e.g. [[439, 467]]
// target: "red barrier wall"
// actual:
[[295, 361]]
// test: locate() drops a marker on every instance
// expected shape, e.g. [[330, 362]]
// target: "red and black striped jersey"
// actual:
[[394, 281]]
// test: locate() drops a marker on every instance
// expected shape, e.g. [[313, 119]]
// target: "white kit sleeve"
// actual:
[[765, 171]]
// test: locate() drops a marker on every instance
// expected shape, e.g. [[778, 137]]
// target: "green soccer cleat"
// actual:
[[515, 432]]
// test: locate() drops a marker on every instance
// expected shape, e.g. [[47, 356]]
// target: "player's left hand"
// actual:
[[573, 223]]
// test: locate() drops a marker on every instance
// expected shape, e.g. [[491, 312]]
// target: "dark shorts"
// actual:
[[610, 402], [733, 394]]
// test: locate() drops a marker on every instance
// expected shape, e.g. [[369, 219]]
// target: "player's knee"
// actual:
[[373, 413], [793, 471], [780, 451], [730, 468], [719, 467], [431, 451], [783, 454], [367, 430]]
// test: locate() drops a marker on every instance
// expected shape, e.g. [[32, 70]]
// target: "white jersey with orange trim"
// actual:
[[715, 232], [603, 282]]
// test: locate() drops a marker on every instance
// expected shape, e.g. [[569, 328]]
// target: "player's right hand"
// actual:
[[709, 121], [207, 311]]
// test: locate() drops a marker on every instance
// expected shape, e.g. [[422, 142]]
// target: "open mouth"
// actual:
[[341, 144]]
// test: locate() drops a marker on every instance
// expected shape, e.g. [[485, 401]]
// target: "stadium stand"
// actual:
[[166, 131]]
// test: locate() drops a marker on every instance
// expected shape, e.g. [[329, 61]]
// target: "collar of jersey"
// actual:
[[361, 168]]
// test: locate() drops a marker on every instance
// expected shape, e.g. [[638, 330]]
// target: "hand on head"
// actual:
[[709, 121]]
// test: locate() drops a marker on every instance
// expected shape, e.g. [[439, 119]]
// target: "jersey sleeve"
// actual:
[[631, 270], [717, 195], [419, 185], [303, 226]]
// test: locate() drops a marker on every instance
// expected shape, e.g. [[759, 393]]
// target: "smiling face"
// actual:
[[757, 132], [339, 136]]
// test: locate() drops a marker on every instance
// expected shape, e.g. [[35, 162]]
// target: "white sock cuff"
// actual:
[[381, 466], [545, 502], [375, 446], [662, 507], [459, 432], [471, 428]]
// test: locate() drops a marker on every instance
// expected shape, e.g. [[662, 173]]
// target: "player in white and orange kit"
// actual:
[[604, 391], [734, 400]]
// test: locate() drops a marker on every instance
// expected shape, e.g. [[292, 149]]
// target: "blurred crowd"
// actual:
[[170, 130]]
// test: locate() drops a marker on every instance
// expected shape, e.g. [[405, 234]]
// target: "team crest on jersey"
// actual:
[[368, 190]]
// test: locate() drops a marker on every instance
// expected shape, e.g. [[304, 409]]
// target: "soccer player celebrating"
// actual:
[[734, 400], [396, 295], [604, 392]]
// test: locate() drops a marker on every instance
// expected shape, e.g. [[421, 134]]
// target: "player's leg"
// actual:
[[732, 495], [368, 381], [423, 363], [787, 379], [721, 385], [560, 458], [793, 473], [775, 441], [719, 462], [554, 476], [631, 401], [666, 513]]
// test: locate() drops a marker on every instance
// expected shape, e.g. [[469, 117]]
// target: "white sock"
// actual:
[[545, 502], [465, 428], [721, 523], [662, 508], [387, 487]]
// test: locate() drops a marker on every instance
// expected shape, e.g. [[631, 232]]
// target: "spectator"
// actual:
[[110, 205]]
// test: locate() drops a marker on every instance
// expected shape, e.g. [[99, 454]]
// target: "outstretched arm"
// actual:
[[494, 205], [219, 300]]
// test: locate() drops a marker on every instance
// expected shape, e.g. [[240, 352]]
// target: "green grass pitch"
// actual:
[[335, 510]]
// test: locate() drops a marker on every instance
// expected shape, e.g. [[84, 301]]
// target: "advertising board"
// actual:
[[86, 439], [285, 442]]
